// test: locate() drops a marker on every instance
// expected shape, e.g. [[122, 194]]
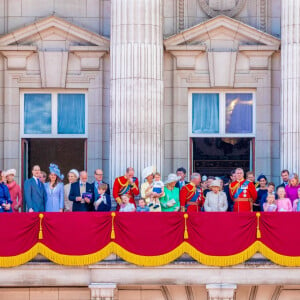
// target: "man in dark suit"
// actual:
[[98, 174], [285, 179], [79, 188], [34, 192], [181, 172]]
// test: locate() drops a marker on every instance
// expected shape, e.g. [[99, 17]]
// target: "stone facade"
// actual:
[[246, 36]]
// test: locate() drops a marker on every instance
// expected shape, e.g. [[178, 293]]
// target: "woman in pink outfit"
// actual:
[[292, 188], [14, 190], [283, 204]]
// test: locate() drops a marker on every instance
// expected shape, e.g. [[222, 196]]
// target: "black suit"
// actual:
[[75, 192], [178, 186]]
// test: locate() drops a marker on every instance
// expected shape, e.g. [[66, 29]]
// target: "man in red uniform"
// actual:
[[191, 195], [242, 192], [127, 184]]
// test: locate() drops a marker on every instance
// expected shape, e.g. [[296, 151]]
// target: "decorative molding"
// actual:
[[103, 291], [211, 10], [221, 291], [263, 15], [180, 15]]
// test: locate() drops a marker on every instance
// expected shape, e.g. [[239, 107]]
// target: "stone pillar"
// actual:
[[221, 291], [290, 85], [103, 291], [136, 85]]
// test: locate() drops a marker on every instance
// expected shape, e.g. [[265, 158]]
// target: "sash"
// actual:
[[124, 190], [194, 198], [240, 189]]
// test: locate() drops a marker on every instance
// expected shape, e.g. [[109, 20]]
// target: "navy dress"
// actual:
[[261, 194], [4, 197]]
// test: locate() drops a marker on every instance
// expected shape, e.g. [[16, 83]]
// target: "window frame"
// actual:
[[54, 114], [222, 112]]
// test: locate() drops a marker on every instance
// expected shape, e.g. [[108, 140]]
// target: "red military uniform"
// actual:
[[123, 186], [243, 195], [191, 197]]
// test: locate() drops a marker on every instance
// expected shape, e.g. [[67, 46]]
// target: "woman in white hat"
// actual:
[[147, 186], [14, 190], [73, 176], [170, 201], [215, 200]]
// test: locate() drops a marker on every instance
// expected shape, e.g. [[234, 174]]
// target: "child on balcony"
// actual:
[[283, 204], [157, 191], [296, 204], [142, 206], [103, 203], [270, 205], [126, 206]]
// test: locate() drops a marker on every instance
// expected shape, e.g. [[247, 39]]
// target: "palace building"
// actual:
[[209, 85]]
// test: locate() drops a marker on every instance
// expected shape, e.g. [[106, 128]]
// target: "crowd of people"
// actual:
[[236, 192]]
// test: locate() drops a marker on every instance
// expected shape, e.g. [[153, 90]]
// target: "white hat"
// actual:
[[75, 172], [148, 171], [171, 178], [216, 183], [10, 172]]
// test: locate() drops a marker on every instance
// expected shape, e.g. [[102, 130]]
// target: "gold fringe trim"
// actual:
[[258, 233], [186, 234], [75, 260], [276, 258], [113, 234], [17, 260], [221, 261], [41, 216], [148, 261]]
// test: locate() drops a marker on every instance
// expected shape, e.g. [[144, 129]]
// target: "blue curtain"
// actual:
[[71, 113], [37, 113], [205, 117], [239, 113]]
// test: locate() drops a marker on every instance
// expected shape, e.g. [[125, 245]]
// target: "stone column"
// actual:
[[221, 291], [136, 85], [103, 291], [290, 85]]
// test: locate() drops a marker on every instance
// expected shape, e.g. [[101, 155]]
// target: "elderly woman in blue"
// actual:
[[54, 190], [5, 201]]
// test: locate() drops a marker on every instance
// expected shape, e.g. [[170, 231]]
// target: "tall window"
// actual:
[[54, 114], [222, 114]]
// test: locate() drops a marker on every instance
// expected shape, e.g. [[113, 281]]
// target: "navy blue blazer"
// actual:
[[103, 206], [177, 184], [75, 192], [35, 195]]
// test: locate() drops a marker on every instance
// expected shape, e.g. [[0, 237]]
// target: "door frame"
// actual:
[[191, 158]]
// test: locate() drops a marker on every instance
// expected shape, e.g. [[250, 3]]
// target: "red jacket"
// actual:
[[121, 185], [187, 193]]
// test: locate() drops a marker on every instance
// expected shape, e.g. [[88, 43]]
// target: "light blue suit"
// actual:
[[55, 197], [35, 195]]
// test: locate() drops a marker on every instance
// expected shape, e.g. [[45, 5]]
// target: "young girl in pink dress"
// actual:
[[283, 204], [270, 205], [296, 204]]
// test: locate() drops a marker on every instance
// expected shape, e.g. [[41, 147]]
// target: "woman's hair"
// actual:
[[294, 175], [57, 180]]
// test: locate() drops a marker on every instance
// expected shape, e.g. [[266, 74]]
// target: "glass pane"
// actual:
[[205, 113], [37, 113], [239, 113], [71, 114]]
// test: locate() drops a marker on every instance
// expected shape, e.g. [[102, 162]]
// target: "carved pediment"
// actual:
[[53, 39], [222, 32], [221, 39], [52, 32]]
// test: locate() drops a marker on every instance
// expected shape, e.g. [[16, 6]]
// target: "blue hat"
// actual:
[[262, 176], [53, 168]]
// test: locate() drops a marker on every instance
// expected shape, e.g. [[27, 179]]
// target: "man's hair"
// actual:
[[195, 175], [232, 172], [249, 173], [34, 167], [239, 169], [129, 169], [181, 169], [102, 186], [285, 171]]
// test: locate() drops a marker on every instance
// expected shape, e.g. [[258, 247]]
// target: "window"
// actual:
[[57, 114], [222, 114]]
